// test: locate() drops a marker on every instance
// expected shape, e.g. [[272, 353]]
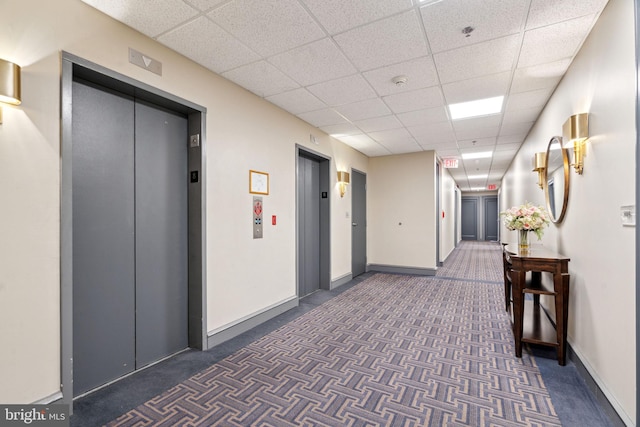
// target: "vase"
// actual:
[[523, 240]]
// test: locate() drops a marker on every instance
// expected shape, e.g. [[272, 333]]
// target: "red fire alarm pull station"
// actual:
[[273, 220], [443, 214]]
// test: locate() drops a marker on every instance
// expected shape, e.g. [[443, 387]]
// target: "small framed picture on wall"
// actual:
[[258, 182]]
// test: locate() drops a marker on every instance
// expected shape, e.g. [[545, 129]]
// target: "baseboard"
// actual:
[[616, 415], [343, 280], [54, 398], [397, 269], [227, 332]]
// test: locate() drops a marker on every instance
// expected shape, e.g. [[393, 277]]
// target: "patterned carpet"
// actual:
[[394, 350]]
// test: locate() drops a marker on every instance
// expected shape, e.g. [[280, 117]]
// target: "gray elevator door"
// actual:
[[309, 226], [129, 235], [358, 223], [161, 233]]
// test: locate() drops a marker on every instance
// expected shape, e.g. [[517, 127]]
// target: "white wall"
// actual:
[[401, 210], [448, 197], [601, 81], [243, 132]]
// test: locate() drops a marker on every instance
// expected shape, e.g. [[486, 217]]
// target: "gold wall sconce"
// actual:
[[575, 132], [343, 180], [9, 84], [539, 164]]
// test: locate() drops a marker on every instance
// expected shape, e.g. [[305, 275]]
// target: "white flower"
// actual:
[[526, 217]]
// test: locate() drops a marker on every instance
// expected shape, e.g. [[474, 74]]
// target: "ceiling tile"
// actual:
[[331, 63], [546, 12], [404, 148], [446, 152], [209, 45], [403, 41], [417, 100], [374, 151], [490, 19], [467, 62], [339, 15], [435, 132], [314, 63], [479, 142], [477, 88], [344, 90], [510, 139], [510, 147], [379, 123], [422, 117], [521, 116], [205, 5], [441, 129], [367, 109], [322, 118], [476, 133], [268, 26], [342, 129], [360, 140], [420, 73], [525, 100], [492, 121], [391, 135], [539, 76], [151, 20], [440, 148], [515, 128], [261, 78], [297, 101], [555, 42]]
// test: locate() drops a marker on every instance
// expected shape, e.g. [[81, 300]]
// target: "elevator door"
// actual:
[[129, 234], [308, 226]]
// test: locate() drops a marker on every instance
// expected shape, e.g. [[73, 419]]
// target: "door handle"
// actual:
[[354, 224]]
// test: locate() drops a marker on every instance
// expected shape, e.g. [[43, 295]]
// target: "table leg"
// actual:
[[561, 288], [517, 283]]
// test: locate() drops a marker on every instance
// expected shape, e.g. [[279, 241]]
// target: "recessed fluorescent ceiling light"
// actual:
[[429, 2], [477, 176], [479, 107], [477, 188], [480, 155]]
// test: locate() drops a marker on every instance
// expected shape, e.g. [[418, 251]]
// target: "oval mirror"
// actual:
[[556, 179]]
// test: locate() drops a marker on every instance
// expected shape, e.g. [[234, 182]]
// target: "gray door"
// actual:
[[491, 218], [161, 233], [129, 235], [359, 223], [103, 237], [308, 226], [469, 219]]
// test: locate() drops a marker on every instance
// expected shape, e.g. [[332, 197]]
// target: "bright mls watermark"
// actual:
[[34, 415]]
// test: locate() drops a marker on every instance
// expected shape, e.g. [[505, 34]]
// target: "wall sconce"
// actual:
[[539, 164], [343, 180], [575, 132], [9, 84]]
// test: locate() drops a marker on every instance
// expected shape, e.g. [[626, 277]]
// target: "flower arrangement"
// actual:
[[526, 217]]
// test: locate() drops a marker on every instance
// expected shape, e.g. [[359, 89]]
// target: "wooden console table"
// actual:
[[538, 328]]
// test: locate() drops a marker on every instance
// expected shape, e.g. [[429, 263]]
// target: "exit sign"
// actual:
[[491, 187], [450, 163]]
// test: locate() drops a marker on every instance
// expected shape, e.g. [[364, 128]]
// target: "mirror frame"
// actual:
[[566, 166]]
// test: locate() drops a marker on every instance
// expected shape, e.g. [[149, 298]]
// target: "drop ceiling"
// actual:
[[332, 63]]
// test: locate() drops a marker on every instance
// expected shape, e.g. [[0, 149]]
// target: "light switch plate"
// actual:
[[628, 215]]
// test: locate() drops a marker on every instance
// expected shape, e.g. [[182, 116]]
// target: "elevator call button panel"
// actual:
[[257, 217]]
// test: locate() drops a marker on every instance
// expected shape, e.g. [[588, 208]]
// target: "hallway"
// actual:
[[455, 321]]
